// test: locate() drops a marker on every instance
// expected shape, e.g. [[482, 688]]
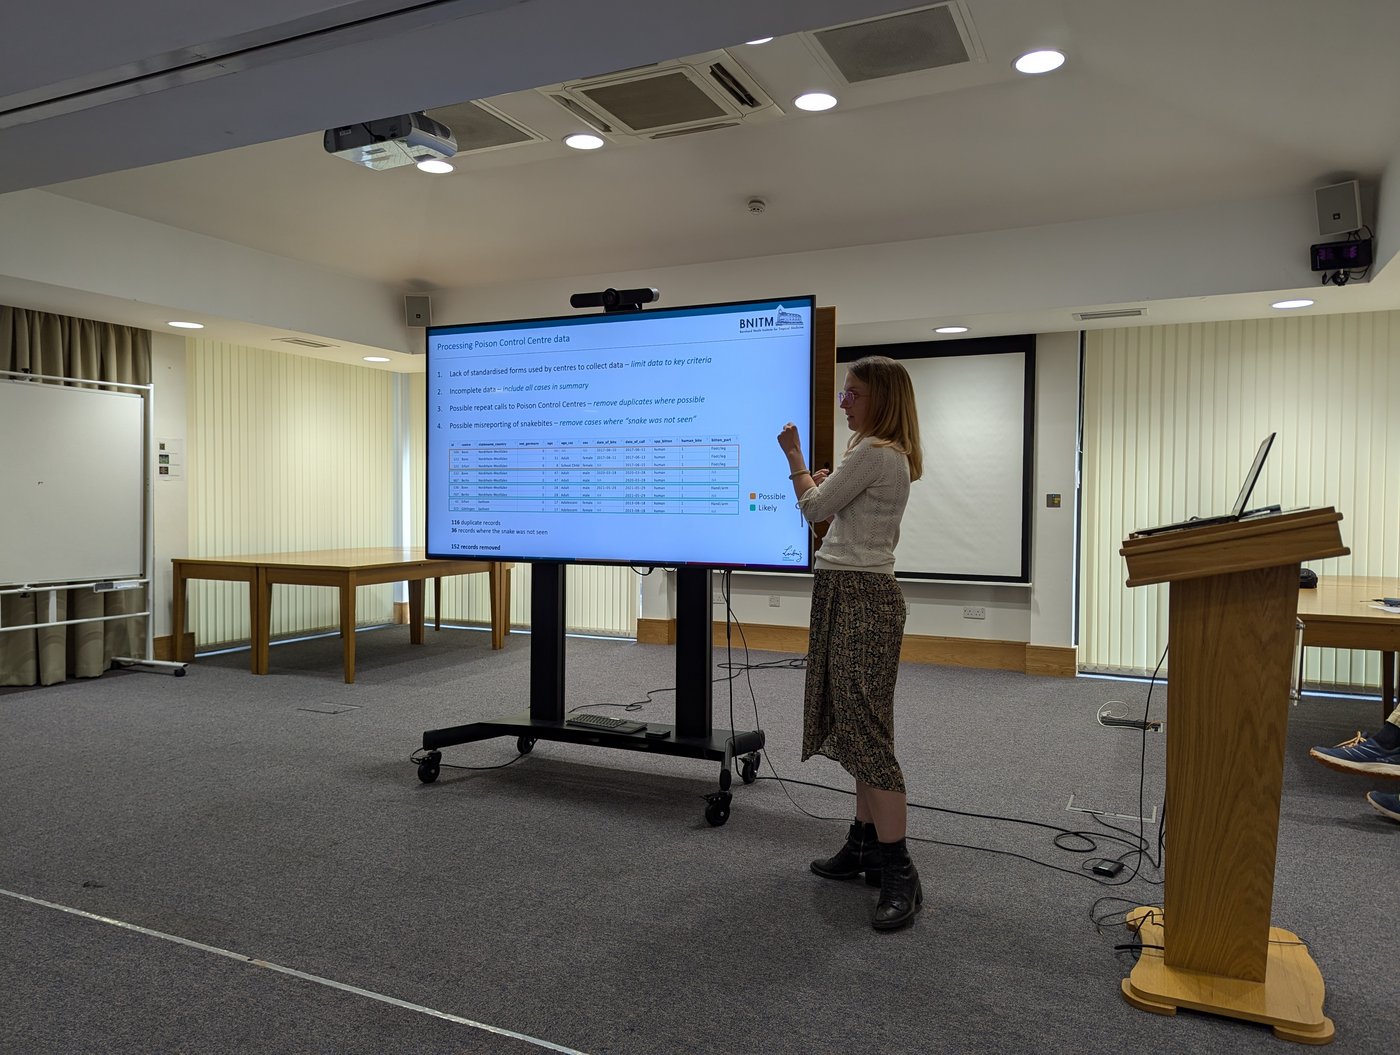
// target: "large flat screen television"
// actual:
[[644, 438]]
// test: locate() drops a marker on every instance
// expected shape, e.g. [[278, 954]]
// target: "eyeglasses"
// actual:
[[846, 397]]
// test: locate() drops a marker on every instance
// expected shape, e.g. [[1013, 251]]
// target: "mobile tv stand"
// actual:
[[690, 737]]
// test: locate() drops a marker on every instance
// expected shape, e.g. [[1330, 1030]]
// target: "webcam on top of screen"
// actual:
[[616, 299]]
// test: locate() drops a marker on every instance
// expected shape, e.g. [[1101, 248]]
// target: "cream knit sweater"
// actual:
[[866, 494]]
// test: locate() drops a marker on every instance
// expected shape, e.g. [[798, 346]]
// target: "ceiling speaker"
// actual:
[[1339, 208], [418, 310]]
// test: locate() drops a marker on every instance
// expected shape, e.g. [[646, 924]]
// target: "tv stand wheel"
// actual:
[[748, 768], [429, 766], [717, 808], [525, 744]]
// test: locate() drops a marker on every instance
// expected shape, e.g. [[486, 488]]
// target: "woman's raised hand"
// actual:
[[789, 440]]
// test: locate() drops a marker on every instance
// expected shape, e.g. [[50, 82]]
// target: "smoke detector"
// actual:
[[757, 205]]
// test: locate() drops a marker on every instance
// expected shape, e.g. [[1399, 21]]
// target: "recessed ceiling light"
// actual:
[[1301, 302], [583, 141], [376, 358], [815, 101], [760, 40], [434, 165], [1040, 61], [950, 329], [186, 325]]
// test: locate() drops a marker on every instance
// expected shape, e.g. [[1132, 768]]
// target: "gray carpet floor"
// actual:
[[578, 896]]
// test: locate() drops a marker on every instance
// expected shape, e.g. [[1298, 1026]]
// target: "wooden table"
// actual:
[[344, 569], [1338, 614]]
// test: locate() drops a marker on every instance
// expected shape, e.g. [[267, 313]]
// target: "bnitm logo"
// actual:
[[779, 320]]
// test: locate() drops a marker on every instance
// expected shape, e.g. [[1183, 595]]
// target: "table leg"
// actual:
[[347, 624], [437, 602], [177, 616], [415, 611], [260, 594], [498, 624], [1388, 700]]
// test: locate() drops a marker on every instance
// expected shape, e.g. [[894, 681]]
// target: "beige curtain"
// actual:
[[36, 342]]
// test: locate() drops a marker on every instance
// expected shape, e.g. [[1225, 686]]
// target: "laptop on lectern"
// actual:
[[1251, 478]]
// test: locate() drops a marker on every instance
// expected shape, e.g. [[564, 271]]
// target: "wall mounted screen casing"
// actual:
[[645, 438]]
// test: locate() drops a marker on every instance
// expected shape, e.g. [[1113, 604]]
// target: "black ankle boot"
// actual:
[[901, 894], [860, 854]]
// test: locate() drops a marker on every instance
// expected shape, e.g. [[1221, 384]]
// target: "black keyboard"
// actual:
[[603, 721]]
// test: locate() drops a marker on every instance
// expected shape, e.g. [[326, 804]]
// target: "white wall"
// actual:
[[171, 517], [1056, 472], [1107, 261], [70, 245]]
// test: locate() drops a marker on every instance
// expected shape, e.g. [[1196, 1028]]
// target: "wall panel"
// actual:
[[285, 453], [1172, 417]]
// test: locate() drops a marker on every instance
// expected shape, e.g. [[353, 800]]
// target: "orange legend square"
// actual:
[[753, 495]]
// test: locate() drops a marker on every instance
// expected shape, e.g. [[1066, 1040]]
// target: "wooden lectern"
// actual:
[[1233, 627]]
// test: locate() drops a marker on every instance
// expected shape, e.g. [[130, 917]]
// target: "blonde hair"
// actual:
[[894, 419]]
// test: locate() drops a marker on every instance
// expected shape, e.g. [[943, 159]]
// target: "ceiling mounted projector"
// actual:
[[392, 141]]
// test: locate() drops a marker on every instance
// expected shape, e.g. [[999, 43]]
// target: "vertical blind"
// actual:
[[598, 599], [1172, 417], [286, 453]]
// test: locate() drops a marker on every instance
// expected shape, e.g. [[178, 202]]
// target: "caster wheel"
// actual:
[[525, 744], [717, 813], [748, 769], [180, 672], [428, 768]]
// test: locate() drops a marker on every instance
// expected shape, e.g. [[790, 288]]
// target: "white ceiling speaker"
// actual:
[[418, 310], [1338, 208]]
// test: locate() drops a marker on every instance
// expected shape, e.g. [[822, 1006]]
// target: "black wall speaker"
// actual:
[[418, 310]]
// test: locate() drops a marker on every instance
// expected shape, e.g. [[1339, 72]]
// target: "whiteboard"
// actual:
[[72, 485], [968, 517]]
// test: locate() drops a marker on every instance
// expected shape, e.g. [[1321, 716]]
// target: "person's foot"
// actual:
[[860, 854], [1361, 754], [1386, 803], [901, 893]]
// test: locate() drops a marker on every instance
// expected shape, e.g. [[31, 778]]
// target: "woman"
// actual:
[[857, 623]]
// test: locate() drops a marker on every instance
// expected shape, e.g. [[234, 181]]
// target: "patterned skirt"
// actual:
[[852, 662]]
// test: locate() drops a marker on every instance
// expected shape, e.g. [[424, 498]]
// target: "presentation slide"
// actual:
[[645, 438]]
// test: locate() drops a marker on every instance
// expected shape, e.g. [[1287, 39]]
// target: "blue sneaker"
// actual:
[[1361, 754], [1385, 803]]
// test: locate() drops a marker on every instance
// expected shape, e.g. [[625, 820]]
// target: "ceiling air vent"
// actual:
[[700, 93], [1111, 313], [911, 42], [302, 342], [720, 74], [478, 127], [582, 113], [691, 131]]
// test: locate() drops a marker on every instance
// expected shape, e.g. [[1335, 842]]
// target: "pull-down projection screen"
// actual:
[[968, 518]]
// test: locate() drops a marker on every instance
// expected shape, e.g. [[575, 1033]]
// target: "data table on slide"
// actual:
[[690, 475]]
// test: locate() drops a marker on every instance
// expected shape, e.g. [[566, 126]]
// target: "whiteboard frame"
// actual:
[[144, 580]]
